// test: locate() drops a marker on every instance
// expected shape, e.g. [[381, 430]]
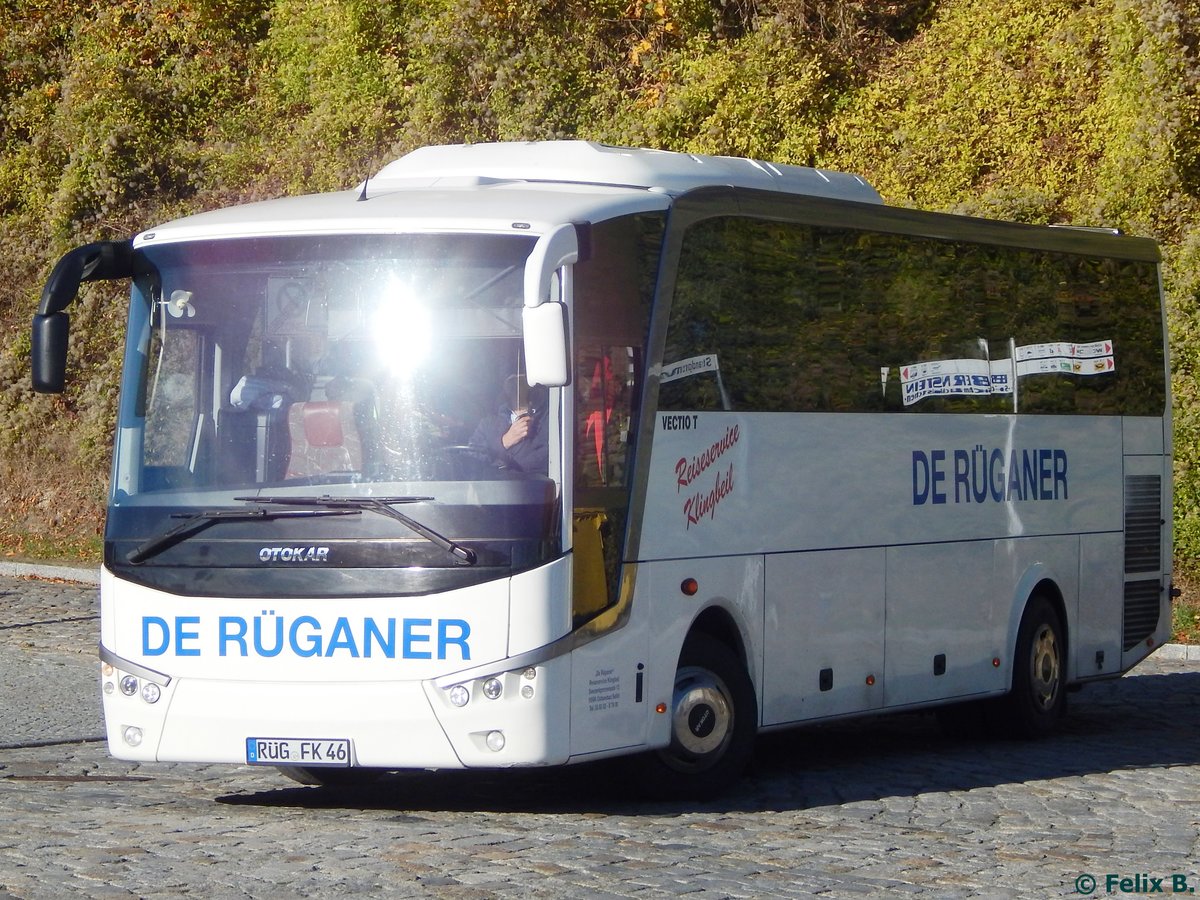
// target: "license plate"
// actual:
[[298, 751]]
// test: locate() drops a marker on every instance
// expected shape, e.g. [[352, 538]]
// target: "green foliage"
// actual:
[[116, 116], [766, 96], [332, 92], [484, 70], [1183, 267], [988, 102]]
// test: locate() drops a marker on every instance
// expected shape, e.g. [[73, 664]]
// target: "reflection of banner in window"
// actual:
[[1061, 357], [975, 377], [695, 365], [953, 377]]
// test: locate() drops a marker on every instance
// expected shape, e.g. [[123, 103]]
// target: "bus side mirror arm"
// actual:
[[544, 318], [101, 261]]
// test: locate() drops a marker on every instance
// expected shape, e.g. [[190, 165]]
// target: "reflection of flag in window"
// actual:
[[601, 395]]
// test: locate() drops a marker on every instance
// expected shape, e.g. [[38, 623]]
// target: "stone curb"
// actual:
[[64, 573], [1190, 652]]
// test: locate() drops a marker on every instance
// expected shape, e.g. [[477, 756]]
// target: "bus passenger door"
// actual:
[[823, 634]]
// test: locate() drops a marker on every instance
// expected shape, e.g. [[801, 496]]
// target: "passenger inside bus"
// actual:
[[515, 435]]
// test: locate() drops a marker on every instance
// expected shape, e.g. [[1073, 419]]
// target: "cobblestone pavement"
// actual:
[[871, 809]]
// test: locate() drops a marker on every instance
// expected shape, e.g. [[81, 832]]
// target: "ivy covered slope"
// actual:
[[116, 116]]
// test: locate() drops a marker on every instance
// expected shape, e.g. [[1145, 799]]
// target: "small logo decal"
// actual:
[[294, 554]]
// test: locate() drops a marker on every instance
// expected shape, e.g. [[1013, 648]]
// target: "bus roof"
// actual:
[[533, 186], [587, 162]]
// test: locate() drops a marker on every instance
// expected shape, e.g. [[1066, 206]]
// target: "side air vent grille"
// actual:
[[1141, 612], [1143, 523]]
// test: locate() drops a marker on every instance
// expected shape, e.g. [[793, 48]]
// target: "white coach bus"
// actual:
[[531, 454]]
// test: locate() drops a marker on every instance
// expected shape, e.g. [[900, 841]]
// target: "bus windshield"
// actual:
[[340, 367]]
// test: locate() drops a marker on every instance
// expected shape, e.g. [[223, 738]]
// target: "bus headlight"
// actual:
[[129, 685], [517, 683], [151, 692]]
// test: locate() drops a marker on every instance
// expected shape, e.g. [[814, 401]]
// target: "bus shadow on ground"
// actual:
[[1148, 721]]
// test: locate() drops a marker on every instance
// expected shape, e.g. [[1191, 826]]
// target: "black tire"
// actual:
[[714, 718], [1038, 700]]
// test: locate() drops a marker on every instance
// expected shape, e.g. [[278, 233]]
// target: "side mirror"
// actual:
[[547, 344], [101, 261], [48, 354]]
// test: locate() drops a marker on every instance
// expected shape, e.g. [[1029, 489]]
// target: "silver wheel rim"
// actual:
[[1046, 667], [701, 717]]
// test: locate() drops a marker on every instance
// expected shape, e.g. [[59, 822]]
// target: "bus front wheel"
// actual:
[[714, 717], [1038, 700]]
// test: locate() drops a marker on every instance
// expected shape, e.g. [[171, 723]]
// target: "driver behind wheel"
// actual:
[[515, 435]]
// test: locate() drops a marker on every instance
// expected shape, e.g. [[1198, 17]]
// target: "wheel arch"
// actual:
[[720, 625]]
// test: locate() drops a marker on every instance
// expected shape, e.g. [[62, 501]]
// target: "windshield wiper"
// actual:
[[198, 521], [383, 506]]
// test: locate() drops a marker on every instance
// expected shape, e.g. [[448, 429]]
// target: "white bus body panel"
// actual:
[[620, 679], [824, 611], [899, 551], [736, 483], [359, 669]]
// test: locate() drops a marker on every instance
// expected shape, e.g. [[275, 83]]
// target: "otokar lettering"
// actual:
[[294, 554], [988, 475]]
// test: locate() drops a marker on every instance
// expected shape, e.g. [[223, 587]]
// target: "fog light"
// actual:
[[129, 685], [493, 688], [495, 741], [151, 692], [459, 696], [132, 735]]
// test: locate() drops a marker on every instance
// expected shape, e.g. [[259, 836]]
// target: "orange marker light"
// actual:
[[870, 681], [661, 708], [690, 586]]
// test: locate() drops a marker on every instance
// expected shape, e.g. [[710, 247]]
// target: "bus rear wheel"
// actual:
[[714, 717], [1038, 700]]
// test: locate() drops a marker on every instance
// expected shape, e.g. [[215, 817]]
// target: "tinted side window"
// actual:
[[778, 316]]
